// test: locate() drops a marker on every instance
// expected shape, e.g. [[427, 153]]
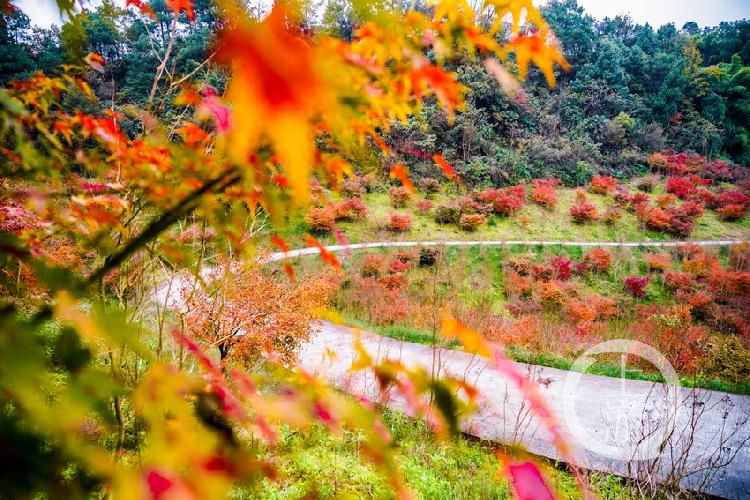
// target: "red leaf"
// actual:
[[528, 482]]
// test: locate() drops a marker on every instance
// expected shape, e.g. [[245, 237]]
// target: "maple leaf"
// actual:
[[328, 257], [143, 7], [400, 172], [95, 61], [518, 9], [541, 51], [192, 134], [178, 6], [279, 243], [446, 167], [275, 92], [528, 482]]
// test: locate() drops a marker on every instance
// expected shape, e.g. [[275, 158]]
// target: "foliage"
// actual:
[[603, 184], [424, 206], [597, 260], [636, 285], [399, 223], [214, 116], [470, 222], [399, 196], [447, 214], [543, 192]]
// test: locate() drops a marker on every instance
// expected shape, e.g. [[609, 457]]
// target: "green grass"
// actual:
[[316, 464], [544, 224]]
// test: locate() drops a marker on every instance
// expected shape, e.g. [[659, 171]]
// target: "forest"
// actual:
[[630, 90], [370, 249]]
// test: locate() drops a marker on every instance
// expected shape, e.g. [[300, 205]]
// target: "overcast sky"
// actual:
[[655, 12]]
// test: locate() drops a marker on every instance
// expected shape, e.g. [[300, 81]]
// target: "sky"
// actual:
[[654, 12]]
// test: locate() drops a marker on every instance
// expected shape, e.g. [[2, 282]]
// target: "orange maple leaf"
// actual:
[[446, 167], [400, 172], [327, 256], [541, 51], [144, 8], [178, 6]]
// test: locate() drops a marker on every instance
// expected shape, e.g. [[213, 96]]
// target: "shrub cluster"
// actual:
[[399, 223], [544, 192], [399, 196], [603, 184], [471, 222]]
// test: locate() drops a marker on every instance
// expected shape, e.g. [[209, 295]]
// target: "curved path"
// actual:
[[277, 256], [709, 443]]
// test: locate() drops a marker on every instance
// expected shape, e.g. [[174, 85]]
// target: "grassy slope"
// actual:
[[317, 464], [544, 224]]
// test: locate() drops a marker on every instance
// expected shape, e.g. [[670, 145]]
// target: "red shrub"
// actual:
[[351, 210], [676, 280], [733, 198], [706, 198], [542, 272], [424, 206], [691, 209], [509, 200], [353, 188], [562, 267], [637, 200], [680, 186], [399, 223], [583, 212], [321, 219], [597, 260], [468, 205], [397, 266], [603, 184], [514, 284], [636, 284], [470, 222], [543, 192], [399, 196]]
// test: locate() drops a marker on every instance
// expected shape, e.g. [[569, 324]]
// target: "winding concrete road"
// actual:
[[698, 438]]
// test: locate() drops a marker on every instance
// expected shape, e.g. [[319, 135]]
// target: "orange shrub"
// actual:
[[598, 260], [658, 261], [603, 184], [579, 311], [731, 212], [548, 293], [321, 219], [514, 284], [372, 265], [543, 192], [470, 222], [399, 223], [666, 200]]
